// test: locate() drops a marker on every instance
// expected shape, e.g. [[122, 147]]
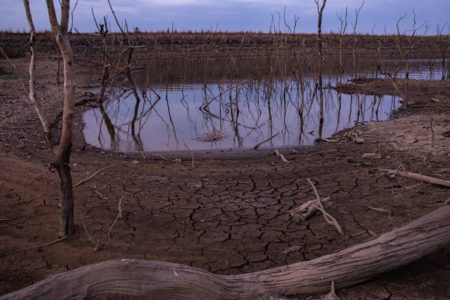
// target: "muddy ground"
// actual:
[[226, 213]]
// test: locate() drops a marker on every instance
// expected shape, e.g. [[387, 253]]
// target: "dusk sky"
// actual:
[[235, 15]]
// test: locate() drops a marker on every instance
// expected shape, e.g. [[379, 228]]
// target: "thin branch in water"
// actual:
[[265, 141]]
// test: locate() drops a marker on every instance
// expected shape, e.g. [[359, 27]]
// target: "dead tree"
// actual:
[[355, 40], [407, 42], [343, 23], [61, 150], [320, 9], [443, 48], [140, 279]]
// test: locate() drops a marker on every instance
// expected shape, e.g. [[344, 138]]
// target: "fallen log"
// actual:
[[162, 280]]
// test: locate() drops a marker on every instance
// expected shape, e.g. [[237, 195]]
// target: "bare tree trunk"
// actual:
[[63, 149], [129, 278], [320, 9]]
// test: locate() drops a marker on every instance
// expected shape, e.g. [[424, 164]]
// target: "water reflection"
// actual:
[[229, 115]]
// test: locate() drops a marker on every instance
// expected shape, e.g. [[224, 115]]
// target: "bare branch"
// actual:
[[32, 92], [117, 20], [71, 16]]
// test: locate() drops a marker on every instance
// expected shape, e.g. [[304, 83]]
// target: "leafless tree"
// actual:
[[343, 23], [443, 47], [355, 39], [407, 40], [61, 150], [320, 8]]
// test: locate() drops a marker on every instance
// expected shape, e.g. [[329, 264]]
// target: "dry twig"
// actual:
[[97, 246], [36, 247], [306, 210], [379, 209], [93, 175], [419, 177], [119, 216], [280, 155]]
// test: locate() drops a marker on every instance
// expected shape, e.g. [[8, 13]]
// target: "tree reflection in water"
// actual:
[[230, 115]]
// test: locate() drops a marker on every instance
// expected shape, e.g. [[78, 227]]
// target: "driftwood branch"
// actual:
[[326, 216], [163, 280], [419, 177], [306, 210], [311, 207]]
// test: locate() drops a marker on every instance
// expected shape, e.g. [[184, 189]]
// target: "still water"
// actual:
[[230, 115]]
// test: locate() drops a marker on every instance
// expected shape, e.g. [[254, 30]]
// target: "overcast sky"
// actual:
[[235, 15]]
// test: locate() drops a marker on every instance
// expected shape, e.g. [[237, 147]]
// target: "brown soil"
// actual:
[[228, 214]]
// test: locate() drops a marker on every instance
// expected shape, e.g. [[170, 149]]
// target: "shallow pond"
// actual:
[[231, 115]]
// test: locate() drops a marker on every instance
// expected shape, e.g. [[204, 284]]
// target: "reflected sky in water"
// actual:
[[225, 116], [232, 115]]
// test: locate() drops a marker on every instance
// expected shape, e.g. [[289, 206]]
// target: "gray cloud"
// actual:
[[254, 15]]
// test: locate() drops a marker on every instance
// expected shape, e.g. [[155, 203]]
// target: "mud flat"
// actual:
[[227, 216]]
